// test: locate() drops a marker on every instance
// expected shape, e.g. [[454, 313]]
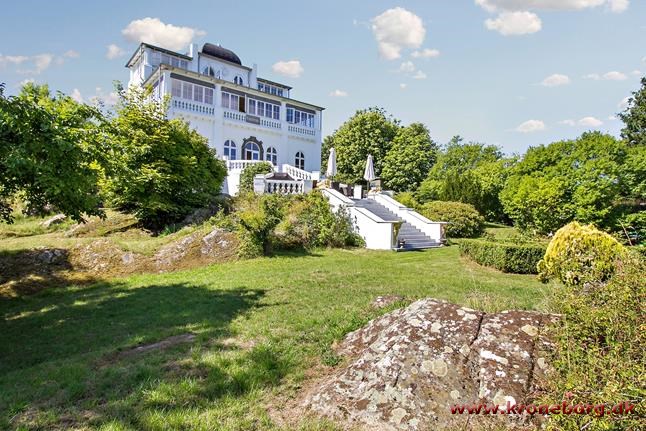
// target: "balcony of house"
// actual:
[[242, 117], [193, 106]]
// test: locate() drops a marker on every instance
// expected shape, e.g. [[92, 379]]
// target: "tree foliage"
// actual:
[[369, 131], [634, 117], [567, 180], [246, 177], [472, 173], [411, 156], [160, 169], [464, 221], [51, 151]]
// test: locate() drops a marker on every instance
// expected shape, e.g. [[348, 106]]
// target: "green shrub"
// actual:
[[407, 199], [257, 216], [600, 340], [464, 220], [246, 177], [632, 228], [580, 253], [514, 258], [309, 222]]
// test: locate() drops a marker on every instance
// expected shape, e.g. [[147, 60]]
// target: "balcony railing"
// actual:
[[193, 107], [251, 119], [296, 173], [301, 130], [241, 164], [284, 187]]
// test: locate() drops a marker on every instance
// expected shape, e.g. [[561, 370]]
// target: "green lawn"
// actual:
[[260, 324]]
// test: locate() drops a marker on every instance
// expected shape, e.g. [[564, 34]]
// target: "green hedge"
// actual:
[[514, 258]]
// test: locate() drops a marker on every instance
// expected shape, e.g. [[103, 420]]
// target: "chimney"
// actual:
[[192, 50], [253, 76]]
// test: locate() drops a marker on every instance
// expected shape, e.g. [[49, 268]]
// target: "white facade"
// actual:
[[244, 117]]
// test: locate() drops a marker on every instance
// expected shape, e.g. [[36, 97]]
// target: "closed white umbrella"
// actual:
[[369, 173], [331, 164]]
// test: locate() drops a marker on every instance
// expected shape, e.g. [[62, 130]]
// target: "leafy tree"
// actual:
[[50, 152], [634, 117], [567, 180], [409, 159], [369, 131], [161, 169], [472, 173], [246, 177]]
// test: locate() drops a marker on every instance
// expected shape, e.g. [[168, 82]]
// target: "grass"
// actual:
[[261, 326]]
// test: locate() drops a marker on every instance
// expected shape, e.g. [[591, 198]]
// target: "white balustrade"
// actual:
[[296, 173], [286, 187], [241, 164], [193, 107], [301, 130], [234, 115]]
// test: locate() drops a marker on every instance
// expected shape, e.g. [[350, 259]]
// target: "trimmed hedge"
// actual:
[[514, 258]]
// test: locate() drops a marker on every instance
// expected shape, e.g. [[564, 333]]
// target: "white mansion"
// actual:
[[244, 117]]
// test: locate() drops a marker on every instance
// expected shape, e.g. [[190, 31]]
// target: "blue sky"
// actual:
[[513, 73]]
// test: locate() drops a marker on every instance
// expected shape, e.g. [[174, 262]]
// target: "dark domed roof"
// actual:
[[219, 52]]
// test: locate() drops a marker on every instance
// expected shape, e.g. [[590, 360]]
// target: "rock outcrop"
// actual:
[[407, 368]]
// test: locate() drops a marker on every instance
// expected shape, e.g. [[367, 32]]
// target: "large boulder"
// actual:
[[57, 219], [407, 368]]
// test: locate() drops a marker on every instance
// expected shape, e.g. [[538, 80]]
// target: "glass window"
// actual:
[[208, 96], [198, 93], [183, 64], [230, 149], [177, 88], [299, 160], [252, 107], [271, 156], [280, 92], [252, 151], [261, 109], [187, 90], [225, 100], [290, 115]]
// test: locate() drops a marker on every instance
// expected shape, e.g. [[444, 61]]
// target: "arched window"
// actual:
[[299, 160], [238, 80], [230, 149], [252, 151], [271, 156], [208, 70]]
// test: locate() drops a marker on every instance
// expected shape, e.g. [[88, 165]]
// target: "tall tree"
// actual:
[[409, 159], [369, 131], [472, 173], [577, 179], [634, 117], [51, 149], [161, 169]]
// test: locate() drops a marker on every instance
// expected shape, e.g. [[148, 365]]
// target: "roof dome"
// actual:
[[219, 52]]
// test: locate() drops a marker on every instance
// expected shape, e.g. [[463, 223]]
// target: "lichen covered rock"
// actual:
[[408, 367]]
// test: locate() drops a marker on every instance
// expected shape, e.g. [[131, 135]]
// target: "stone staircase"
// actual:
[[414, 238]]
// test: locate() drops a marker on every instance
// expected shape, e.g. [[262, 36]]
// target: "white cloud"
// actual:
[[555, 80], [291, 68], [520, 5], [403, 86], [614, 76], [623, 104], [515, 23], [530, 126], [100, 97], [593, 76], [396, 29], [338, 93], [71, 54], [114, 51], [407, 67], [567, 122], [12, 59], [618, 6], [636, 73], [419, 75], [42, 61], [155, 32], [590, 122], [425, 53], [76, 95]]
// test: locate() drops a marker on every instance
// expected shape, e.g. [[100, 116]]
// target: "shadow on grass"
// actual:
[[24, 272], [109, 316]]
